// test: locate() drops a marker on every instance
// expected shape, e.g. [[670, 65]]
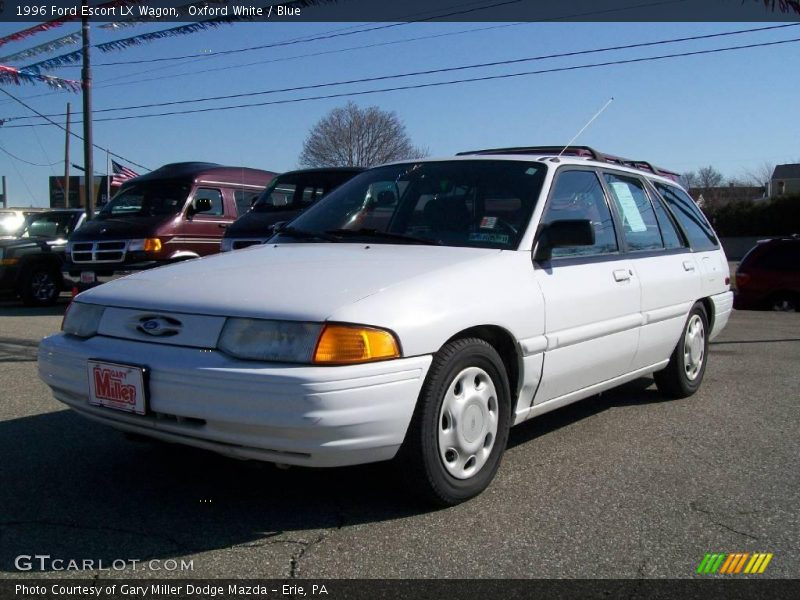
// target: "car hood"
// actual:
[[306, 282], [122, 228]]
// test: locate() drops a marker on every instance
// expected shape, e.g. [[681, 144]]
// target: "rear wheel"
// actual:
[[460, 427], [687, 365], [41, 286], [783, 302]]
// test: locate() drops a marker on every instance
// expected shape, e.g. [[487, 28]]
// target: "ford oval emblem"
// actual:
[[159, 325]]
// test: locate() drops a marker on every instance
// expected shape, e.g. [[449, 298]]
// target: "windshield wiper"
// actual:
[[385, 235], [301, 234]]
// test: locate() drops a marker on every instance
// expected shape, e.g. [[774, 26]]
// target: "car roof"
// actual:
[[550, 159], [202, 170], [325, 170]]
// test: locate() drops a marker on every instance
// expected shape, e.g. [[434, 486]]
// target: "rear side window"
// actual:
[[669, 231], [579, 195], [639, 224], [694, 224]]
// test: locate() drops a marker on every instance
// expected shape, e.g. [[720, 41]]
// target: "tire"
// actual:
[[459, 430], [783, 302], [41, 286], [683, 375]]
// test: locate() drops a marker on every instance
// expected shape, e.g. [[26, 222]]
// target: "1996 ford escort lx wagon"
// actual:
[[416, 313]]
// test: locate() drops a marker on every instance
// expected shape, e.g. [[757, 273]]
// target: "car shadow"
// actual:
[[76, 489]]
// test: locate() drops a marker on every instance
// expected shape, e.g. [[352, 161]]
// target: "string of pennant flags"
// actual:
[[12, 75]]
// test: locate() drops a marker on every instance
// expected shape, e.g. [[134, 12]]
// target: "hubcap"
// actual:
[[468, 423], [42, 286], [784, 305], [694, 345]]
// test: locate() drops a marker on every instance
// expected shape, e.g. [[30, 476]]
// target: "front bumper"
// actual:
[[299, 415]]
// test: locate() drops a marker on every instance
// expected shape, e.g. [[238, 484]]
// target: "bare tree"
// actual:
[[689, 179], [708, 177], [354, 137], [759, 175]]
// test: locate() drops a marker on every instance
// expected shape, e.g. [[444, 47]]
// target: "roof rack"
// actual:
[[580, 152]]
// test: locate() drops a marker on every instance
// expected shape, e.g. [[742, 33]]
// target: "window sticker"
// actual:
[[488, 222], [630, 211], [492, 238]]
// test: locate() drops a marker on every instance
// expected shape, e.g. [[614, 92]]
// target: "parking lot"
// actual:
[[622, 485]]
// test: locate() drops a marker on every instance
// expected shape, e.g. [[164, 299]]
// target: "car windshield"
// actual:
[[469, 203], [49, 225], [148, 199]]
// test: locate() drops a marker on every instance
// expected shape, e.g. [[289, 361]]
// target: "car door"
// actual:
[[591, 294], [201, 231], [662, 262]]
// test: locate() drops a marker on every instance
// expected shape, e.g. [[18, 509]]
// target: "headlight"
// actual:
[[315, 343], [146, 245], [280, 341], [82, 319], [226, 245]]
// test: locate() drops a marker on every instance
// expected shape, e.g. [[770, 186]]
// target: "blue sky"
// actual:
[[733, 110]]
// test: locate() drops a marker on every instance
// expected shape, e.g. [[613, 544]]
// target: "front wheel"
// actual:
[[41, 286], [683, 375], [460, 427]]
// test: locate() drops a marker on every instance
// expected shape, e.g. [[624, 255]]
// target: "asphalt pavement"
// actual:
[[622, 485]]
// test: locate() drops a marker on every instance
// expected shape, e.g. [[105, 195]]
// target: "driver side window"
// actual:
[[579, 195]]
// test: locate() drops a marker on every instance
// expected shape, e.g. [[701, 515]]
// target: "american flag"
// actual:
[[121, 174]]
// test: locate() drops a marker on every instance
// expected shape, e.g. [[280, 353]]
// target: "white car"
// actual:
[[416, 313]]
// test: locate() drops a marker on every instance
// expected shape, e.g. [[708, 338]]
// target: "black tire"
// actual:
[[422, 459], [681, 377], [783, 302], [41, 286]]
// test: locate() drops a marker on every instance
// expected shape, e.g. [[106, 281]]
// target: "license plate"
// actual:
[[88, 277], [117, 386]]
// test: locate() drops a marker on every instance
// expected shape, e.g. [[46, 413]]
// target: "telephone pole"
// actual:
[[66, 160], [88, 146]]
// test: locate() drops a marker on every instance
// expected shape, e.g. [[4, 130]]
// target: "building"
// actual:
[[785, 180]]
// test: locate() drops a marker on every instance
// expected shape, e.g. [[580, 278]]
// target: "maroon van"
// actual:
[[177, 212]]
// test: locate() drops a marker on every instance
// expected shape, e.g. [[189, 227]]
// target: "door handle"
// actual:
[[223, 225], [688, 265], [622, 275]]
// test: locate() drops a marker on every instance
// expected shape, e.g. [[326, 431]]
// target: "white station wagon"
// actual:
[[416, 314]]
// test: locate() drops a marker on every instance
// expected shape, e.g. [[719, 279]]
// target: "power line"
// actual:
[[336, 33], [441, 83], [434, 71], [72, 133], [27, 162]]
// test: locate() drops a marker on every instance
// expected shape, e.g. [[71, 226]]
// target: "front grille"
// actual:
[[239, 244], [99, 252]]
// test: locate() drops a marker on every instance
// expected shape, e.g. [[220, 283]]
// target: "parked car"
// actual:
[[488, 289], [30, 263], [11, 219], [285, 197], [177, 212], [769, 276]]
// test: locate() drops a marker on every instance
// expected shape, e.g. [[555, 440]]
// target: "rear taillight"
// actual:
[[742, 279]]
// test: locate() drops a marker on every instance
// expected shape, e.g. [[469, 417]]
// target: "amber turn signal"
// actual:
[[152, 245], [350, 344]]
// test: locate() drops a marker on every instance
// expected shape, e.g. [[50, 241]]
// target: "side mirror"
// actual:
[[563, 234]]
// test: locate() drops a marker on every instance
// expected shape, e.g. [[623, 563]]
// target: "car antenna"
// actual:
[[589, 122]]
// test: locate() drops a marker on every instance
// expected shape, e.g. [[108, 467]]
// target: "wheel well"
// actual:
[[506, 346], [709, 306]]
